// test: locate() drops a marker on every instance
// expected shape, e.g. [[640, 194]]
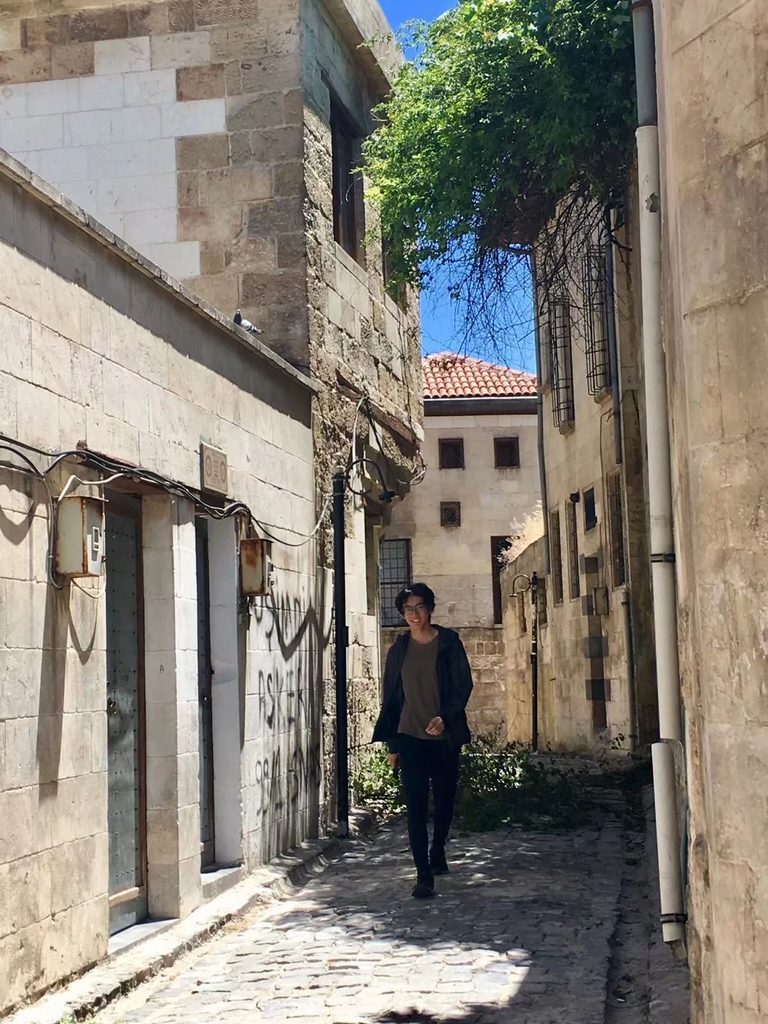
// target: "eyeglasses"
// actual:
[[414, 609]]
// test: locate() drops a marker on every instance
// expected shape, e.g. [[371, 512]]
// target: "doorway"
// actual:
[[125, 715], [204, 696]]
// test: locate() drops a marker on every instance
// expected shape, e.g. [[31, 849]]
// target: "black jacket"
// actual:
[[454, 678]]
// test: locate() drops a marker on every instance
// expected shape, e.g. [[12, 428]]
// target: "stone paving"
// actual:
[[519, 932]]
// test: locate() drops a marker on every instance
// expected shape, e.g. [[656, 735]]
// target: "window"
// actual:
[[347, 186], [560, 361], [596, 311], [615, 504], [541, 600], [572, 540], [590, 510], [556, 551], [394, 576], [498, 546], [451, 453], [450, 513], [507, 452]]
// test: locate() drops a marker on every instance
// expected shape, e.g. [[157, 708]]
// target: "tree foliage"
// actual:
[[511, 108]]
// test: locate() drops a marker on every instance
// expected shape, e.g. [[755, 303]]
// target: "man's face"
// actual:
[[415, 612]]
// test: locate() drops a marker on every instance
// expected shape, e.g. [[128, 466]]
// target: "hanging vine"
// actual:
[[511, 128]]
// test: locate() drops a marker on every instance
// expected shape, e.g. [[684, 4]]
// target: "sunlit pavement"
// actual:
[[519, 931]]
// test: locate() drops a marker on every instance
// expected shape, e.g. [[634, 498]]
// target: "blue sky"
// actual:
[[441, 318]]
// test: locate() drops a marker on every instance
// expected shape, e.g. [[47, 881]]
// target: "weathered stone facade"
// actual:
[[200, 131], [460, 562], [712, 61], [104, 353], [596, 657]]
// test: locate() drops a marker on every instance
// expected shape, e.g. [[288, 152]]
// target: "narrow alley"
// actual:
[[521, 930]]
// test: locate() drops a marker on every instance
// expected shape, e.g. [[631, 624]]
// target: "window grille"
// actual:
[[394, 575], [590, 510], [450, 513], [596, 308], [451, 453], [507, 452], [557, 557], [615, 503], [560, 361], [572, 540], [541, 600]]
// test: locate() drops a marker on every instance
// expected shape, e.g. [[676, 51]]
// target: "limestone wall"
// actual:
[[712, 60], [98, 351], [456, 562], [597, 637]]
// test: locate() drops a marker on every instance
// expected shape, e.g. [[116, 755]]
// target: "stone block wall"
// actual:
[[98, 350], [488, 708], [712, 61]]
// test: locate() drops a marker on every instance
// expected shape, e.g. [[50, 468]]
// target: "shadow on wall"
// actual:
[[64, 249], [50, 633]]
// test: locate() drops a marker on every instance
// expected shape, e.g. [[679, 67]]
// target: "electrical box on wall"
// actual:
[[255, 566], [80, 536]]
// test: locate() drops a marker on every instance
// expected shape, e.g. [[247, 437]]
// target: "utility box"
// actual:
[[80, 536], [254, 566]]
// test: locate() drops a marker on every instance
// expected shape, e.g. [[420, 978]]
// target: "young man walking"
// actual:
[[427, 683]]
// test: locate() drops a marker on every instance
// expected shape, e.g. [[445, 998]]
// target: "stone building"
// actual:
[[481, 488], [161, 725], [220, 137], [713, 95], [596, 682]]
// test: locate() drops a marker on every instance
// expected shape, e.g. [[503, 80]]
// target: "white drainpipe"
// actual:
[[659, 483]]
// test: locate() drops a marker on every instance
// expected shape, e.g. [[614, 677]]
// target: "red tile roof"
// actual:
[[447, 375]]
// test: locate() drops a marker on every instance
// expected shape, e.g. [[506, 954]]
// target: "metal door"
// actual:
[[125, 716], [204, 677]]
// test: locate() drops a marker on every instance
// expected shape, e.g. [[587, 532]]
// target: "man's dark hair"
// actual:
[[421, 590]]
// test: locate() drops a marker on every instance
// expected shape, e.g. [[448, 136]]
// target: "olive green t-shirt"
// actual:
[[420, 689]]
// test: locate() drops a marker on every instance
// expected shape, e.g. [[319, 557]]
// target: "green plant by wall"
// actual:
[[510, 108], [501, 785]]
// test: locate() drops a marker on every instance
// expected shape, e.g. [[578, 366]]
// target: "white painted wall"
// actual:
[[108, 140]]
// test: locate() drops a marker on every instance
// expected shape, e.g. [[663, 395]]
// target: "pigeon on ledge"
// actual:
[[240, 320]]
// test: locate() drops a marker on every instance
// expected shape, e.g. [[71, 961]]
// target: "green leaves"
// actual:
[[509, 105]]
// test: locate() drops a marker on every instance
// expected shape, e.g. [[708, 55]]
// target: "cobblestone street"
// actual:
[[520, 931]]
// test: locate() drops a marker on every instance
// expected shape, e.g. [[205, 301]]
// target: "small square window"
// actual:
[[450, 514], [451, 452], [507, 452], [590, 510]]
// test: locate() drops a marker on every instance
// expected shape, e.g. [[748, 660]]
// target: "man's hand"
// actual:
[[436, 727], [393, 759]]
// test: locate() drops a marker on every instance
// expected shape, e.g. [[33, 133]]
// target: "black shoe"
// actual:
[[437, 861], [424, 889]]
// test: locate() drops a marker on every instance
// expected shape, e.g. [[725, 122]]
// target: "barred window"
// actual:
[[560, 361], [596, 310], [615, 502], [541, 600], [450, 453], [394, 575], [506, 452], [572, 540], [556, 551], [450, 513]]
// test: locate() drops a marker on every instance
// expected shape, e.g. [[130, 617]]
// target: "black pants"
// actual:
[[422, 762]]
